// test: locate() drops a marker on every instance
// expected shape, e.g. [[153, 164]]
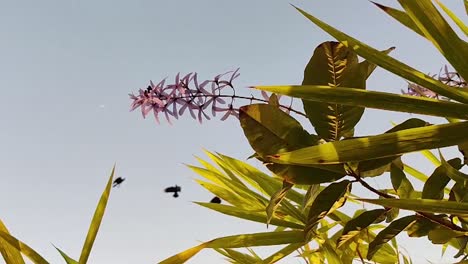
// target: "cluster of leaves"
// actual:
[[11, 248], [334, 97], [307, 217]]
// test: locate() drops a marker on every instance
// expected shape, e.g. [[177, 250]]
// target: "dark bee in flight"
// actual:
[[216, 199], [118, 181], [174, 189]]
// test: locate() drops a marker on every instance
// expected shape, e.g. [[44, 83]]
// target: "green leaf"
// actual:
[[435, 184], [10, 254], [428, 19], [334, 65], [270, 130], [96, 221], [390, 63], [369, 67], [421, 227], [67, 259], [375, 167], [310, 195], [230, 197], [238, 241], [431, 157], [453, 173], [23, 248], [454, 17], [400, 183], [385, 145], [284, 252], [356, 225], [258, 179], [329, 199], [250, 215], [424, 205], [330, 253], [389, 233], [401, 17], [463, 148], [276, 199], [415, 173], [373, 99], [442, 235], [238, 257]]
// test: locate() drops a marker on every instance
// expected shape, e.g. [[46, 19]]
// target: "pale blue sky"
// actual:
[[62, 60]]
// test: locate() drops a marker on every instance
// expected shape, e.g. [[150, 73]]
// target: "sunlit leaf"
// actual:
[[369, 67], [67, 259], [23, 248], [284, 252], [442, 235], [310, 195], [388, 233], [424, 205], [428, 19], [375, 167], [276, 199], [400, 183], [373, 99], [420, 227], [385, 145], [96, 221], [401, 17], [270, 130], [435, 184], [329, 199], [330, 253], [255, 216], [238, 241], [9, 253], [392, 64], [453, 173], [356, 225]]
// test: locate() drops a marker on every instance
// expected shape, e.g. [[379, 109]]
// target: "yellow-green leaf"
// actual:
[[389, 233], [256, 216], [356, 225], [329, 199], [67, 259], [270, 130], [424, 205], [238, 241], [392, 64], [276, 199], [454, 17], [428, 19], [23, 248], [335, 65], [373, 99], [96, 221], [10, 254], [282, 253], [435, 185], [400, 183], [401, 17], [442, 235], [385, 145]]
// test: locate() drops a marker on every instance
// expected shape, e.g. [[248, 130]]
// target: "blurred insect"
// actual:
[[174, 189], [216, 199], [118, 181]]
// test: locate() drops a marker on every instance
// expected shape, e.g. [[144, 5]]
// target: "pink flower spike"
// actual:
[[156, 112]]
